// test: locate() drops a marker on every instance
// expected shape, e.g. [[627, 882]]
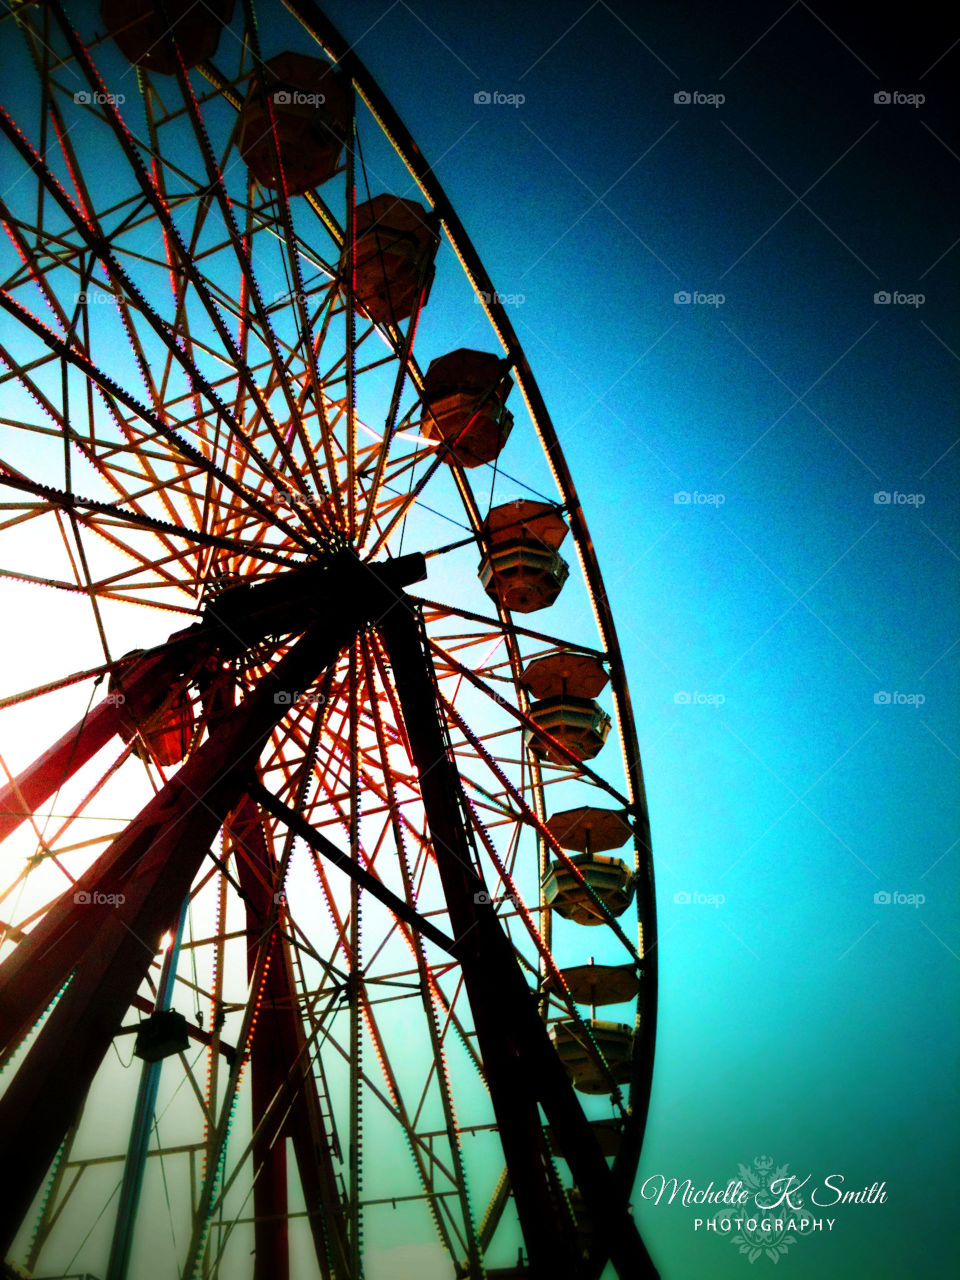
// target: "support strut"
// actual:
[[136, 1160], [152, 863], [523, 1068], [146, 683], [283, 1084]]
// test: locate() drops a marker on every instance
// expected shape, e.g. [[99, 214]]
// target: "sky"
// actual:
[[789, 637], [697, 216]]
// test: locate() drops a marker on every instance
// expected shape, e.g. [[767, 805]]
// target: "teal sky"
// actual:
[[799, 1019], [790, 640]]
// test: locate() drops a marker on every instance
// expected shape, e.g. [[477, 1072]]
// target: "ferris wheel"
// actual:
[[323, 817]]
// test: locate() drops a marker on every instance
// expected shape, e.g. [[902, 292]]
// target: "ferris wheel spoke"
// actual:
[[251, 288], [99, 246], [280, 375], [383, 452], [144, 565], [115, 392], [80, 589], [349, 295], [64, 682], [569, 757], [409, 500], [435, 612], [530, 816], [159, 394], [471, 1242], [184, 262], [59, 499]]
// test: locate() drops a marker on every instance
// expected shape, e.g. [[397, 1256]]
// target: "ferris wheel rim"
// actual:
[[330, 39], [406, 149]]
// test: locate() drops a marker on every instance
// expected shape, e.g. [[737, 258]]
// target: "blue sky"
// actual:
[[765, 449], [800, 1018]]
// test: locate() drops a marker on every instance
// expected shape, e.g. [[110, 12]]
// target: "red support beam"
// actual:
[[256, 872], [153, 863], [282, 1084], [32, 975], [146, 683]]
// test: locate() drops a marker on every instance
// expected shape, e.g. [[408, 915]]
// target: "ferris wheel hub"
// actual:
[[286, 603]]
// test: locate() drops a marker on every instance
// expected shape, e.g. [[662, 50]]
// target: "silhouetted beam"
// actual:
[[399, 906], [283, 1086], [154, 861], [346, 591], [256, 872], [490, 973], [523, 1067]]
